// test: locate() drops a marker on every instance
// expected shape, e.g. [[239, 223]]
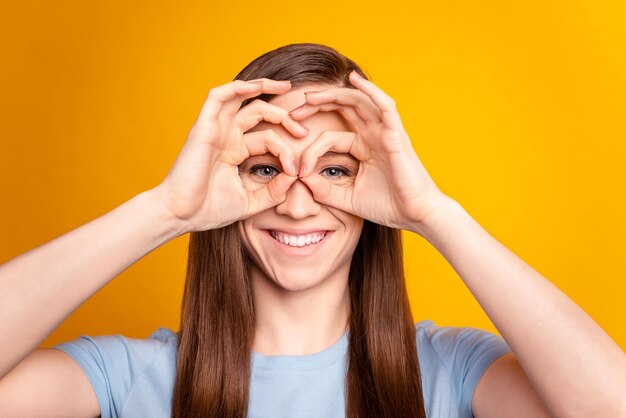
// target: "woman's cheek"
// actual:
[[251, 184], [349, 182], [343, 182]]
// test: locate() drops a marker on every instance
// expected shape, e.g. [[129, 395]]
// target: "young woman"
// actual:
[[295, 303]]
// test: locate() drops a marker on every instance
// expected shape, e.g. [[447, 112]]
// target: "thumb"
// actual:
[[270, 195]]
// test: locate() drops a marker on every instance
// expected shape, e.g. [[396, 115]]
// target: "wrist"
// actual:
[[171, 225], [443, 209]]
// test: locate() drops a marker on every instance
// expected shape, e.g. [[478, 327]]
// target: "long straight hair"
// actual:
[[217, 322]]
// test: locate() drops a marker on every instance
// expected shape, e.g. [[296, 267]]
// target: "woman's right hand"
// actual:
[[203, 189]]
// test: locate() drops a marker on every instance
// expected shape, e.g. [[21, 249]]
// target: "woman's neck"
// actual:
[[299, 322]]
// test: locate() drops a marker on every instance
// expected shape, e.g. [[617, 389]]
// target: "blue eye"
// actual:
[[268, 171], [337, 172], [263, 170]]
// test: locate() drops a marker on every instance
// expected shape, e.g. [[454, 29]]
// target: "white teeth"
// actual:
[[298, 240]]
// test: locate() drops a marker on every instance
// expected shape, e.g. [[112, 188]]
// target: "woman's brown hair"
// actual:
[[218, 322]]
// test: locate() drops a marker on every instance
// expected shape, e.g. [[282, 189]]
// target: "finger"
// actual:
[[326, 193], [260, 142], [306, 110], [269, 87], [271, 195], [258, 110], [336, 141], [384, 102], [236, 92], [354, 98]]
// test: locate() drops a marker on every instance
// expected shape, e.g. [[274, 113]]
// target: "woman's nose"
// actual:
[[299, 202]]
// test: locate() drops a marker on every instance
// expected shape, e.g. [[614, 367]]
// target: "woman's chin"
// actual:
[[295, 284], [291, 276]]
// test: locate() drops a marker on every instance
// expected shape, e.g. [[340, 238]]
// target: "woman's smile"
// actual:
[[298, 243]]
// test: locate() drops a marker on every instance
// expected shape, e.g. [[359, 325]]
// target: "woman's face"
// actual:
[[283, 241]]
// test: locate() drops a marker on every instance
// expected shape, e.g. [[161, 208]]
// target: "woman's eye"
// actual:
[[337, 172], [266, 171]]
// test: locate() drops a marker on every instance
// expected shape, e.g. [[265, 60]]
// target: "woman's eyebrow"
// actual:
[[331, 154], [267, 154], [328, 154]]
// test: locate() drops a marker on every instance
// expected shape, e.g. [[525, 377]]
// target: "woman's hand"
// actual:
[[203, 188], [392, 186]]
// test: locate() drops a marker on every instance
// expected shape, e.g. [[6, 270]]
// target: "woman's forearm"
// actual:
[[39, 289], [575, 367]]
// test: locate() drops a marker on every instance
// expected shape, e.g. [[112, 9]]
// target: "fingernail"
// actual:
[[295, 111], [293, 168], [302, 170], [303, 129]]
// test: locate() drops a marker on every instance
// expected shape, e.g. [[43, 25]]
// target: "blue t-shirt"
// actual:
[[135, 377]]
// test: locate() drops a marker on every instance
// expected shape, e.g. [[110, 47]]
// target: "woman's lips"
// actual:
[[299, 241]]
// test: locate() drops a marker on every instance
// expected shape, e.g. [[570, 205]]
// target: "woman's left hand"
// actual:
[[392, 187]]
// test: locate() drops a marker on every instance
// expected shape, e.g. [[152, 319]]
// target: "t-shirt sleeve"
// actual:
[[112, 364], [466, 353]]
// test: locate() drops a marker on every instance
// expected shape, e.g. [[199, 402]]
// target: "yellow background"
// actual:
[[515, 108]]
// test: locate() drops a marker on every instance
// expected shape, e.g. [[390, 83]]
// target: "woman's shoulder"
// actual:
[[161, 338], [452, 360], [123, 355], [124, 370], [164, 335], [450, 343]]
